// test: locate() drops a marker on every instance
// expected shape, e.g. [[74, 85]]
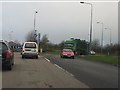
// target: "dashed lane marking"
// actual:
[[63, 69], [47, 59], [60, 67]]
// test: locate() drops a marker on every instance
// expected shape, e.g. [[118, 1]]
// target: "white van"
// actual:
[[30, 49]]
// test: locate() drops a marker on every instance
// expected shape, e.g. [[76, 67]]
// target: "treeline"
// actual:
[[47, 46], [109, 49]]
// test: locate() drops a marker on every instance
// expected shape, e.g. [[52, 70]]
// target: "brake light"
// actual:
[[8, 54], [23, 50], [72, 53], [37, 50]]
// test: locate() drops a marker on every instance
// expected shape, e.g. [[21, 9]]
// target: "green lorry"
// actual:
[[80, 47]]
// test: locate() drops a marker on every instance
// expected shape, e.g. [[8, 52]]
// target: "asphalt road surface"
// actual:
[[38, 73], [93, 74]]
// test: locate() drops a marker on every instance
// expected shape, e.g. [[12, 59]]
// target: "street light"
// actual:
[[101, 36], [90, 23], [110, 34], [35, 24], [35, 19]]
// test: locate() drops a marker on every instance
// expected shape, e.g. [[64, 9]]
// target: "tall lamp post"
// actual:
[[101, 35], [110, 41], [35, 25], [110, 34], [90, 23]]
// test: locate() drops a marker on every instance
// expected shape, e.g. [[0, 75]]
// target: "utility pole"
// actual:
[[90, 23], [35, 27], [101, 36]]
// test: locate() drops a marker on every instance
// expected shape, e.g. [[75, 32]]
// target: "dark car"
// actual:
[[67, 53], [6, 56]]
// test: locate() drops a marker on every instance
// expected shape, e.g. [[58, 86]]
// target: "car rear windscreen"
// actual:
[[67, 50], [3, 47], [30, 45]]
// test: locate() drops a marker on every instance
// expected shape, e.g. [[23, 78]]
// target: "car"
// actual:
[[6, 55], [30, 49], [92, 52], [67, 53]]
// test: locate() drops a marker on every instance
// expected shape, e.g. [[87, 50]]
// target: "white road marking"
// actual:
[[59, 67], [69, 73], [47, 59], [63, 69]]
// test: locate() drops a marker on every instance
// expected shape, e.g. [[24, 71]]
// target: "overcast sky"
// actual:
[[59, 20]]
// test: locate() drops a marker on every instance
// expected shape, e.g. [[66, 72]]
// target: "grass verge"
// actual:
[[102, 58], [98, 58]]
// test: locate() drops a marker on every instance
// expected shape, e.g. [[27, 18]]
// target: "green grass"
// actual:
[[98, 58], [102, 58]]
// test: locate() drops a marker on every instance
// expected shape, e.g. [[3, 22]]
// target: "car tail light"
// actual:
[[8, 54], [72, 53], [36, 50], [23, 50]]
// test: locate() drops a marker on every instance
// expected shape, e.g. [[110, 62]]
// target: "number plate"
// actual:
[[32, 50]]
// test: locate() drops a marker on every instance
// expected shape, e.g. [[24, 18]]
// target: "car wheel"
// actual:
[[37, 57], [10, 67], [13, 62], [73, 57], [22, 57]]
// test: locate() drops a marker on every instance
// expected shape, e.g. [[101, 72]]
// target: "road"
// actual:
[[38, 73], [93, 74]]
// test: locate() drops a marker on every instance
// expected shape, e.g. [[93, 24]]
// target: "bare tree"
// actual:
[[31, 36], [95, 45], [111, 49], [61, 45], [44, 42]]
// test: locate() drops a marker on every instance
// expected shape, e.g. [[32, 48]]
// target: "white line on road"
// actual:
[[47, 59], [69, 73], [59, 67], [63, 69]]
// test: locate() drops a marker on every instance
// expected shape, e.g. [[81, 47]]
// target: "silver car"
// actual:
[[92, 52]]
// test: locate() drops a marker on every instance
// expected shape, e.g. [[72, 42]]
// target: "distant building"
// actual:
[[14, 46]]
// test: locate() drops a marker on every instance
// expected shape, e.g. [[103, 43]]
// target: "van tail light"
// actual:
[[8, 54], [37, 50], [23, 50]]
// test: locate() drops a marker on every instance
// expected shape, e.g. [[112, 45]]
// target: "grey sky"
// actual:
[[59, 20]]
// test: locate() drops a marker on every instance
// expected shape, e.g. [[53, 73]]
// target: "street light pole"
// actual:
[[101, 36], [35, 19], [90, 23], [35, 25], [110, 34]]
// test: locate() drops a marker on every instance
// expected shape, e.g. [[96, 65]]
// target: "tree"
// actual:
[[61, 45], [30, 37], [44, 42], [95, 45]]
